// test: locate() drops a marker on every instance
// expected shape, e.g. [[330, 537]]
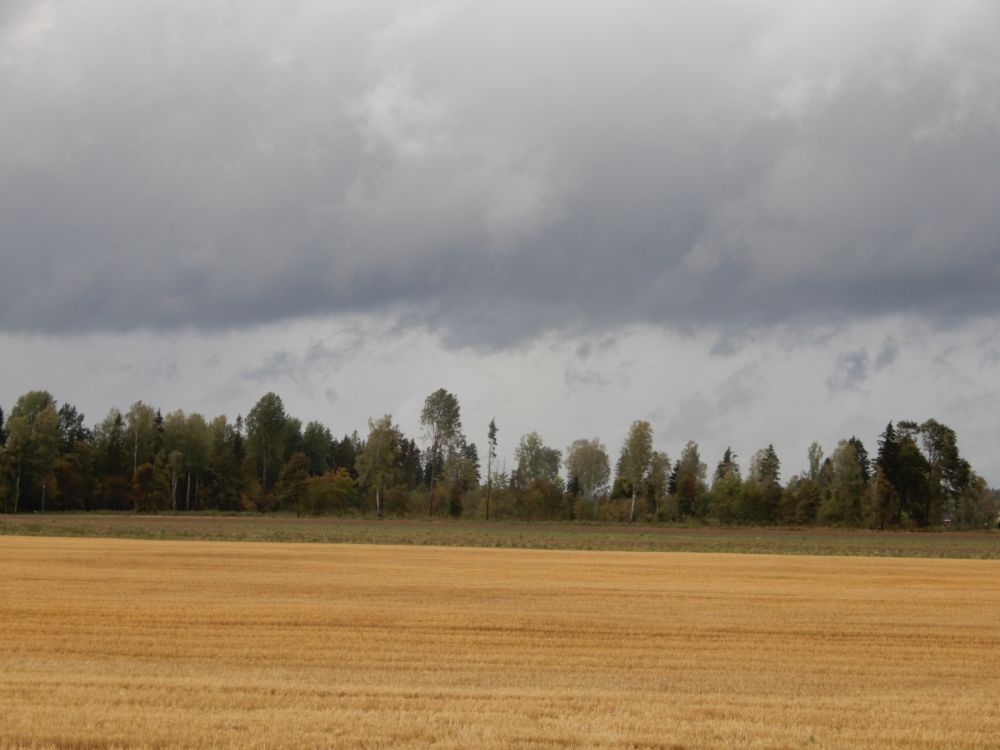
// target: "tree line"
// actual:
[[145, 461]]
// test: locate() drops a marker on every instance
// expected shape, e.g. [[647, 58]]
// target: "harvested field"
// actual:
[[125, 643]]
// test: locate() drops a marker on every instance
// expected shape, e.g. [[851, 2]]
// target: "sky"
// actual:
[[748, 222]]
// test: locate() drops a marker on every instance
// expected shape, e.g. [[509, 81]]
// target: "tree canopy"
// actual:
[[151, 460]]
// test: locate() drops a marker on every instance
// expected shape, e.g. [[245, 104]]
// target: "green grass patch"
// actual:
[[572, 536]]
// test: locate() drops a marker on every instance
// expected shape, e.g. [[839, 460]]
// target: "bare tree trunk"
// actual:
[[430, 495], [43, 495], [631, 512], [17, 487], [489, 480], [173, 489], [187, 494]]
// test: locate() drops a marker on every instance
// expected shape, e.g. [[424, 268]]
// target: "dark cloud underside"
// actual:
[[495, 170]]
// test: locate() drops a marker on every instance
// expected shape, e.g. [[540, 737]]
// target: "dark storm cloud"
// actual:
[[497, 170]]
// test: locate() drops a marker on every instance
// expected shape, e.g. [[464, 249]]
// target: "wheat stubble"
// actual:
[[118, 643]]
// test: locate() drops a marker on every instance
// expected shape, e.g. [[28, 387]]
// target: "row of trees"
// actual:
[[146, 461]]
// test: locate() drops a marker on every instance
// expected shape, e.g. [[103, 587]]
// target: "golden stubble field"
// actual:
[[118, 643]]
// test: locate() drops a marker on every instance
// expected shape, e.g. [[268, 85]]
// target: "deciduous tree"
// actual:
[[633, 463], [535, 460], [31, 449], [71, 428], [139, 427], [378, 463], [266, 432], [847, 489], [688, 480], [442, 422], [589, 467], [292, 487]]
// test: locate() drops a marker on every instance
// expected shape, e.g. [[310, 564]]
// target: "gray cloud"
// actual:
[[853, 368], [495, 171], [713, 410], [851, 372], [276, 365], [887, 355], [584, 379]]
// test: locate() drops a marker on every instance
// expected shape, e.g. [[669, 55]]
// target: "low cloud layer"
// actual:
[[763, 392], [494, 171]]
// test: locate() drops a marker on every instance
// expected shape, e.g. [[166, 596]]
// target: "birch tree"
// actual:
[[636, 455], [442, 423], [379, 460]]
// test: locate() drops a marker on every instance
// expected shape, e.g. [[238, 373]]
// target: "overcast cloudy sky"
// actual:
[[750, 222]]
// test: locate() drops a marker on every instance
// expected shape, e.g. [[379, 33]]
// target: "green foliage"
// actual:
[[588, 469], [399, 501], [815, 454], [379, 463], [536, 461], [267, 431], [657, 482], [688, 482], [634, 460], [801, 500], [72, 431], [318, 444], [765, 468], [345, 453], [292, 488], [727, 467], [455, 494], [224, 476], [140, 431], [491, 457], [912, 482], [30, 454], [442, 423], [844, 502], [543, 500], [883, 506], [978, 506], [333, 492], [150, 489], [762, 488], [51, 461], [864, 463], [726, 499]]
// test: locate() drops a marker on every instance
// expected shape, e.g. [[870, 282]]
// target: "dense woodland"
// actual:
[[146, 461]]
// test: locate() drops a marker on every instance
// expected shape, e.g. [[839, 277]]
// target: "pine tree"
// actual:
[[491, 454], [887, 468], [727, 466]]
